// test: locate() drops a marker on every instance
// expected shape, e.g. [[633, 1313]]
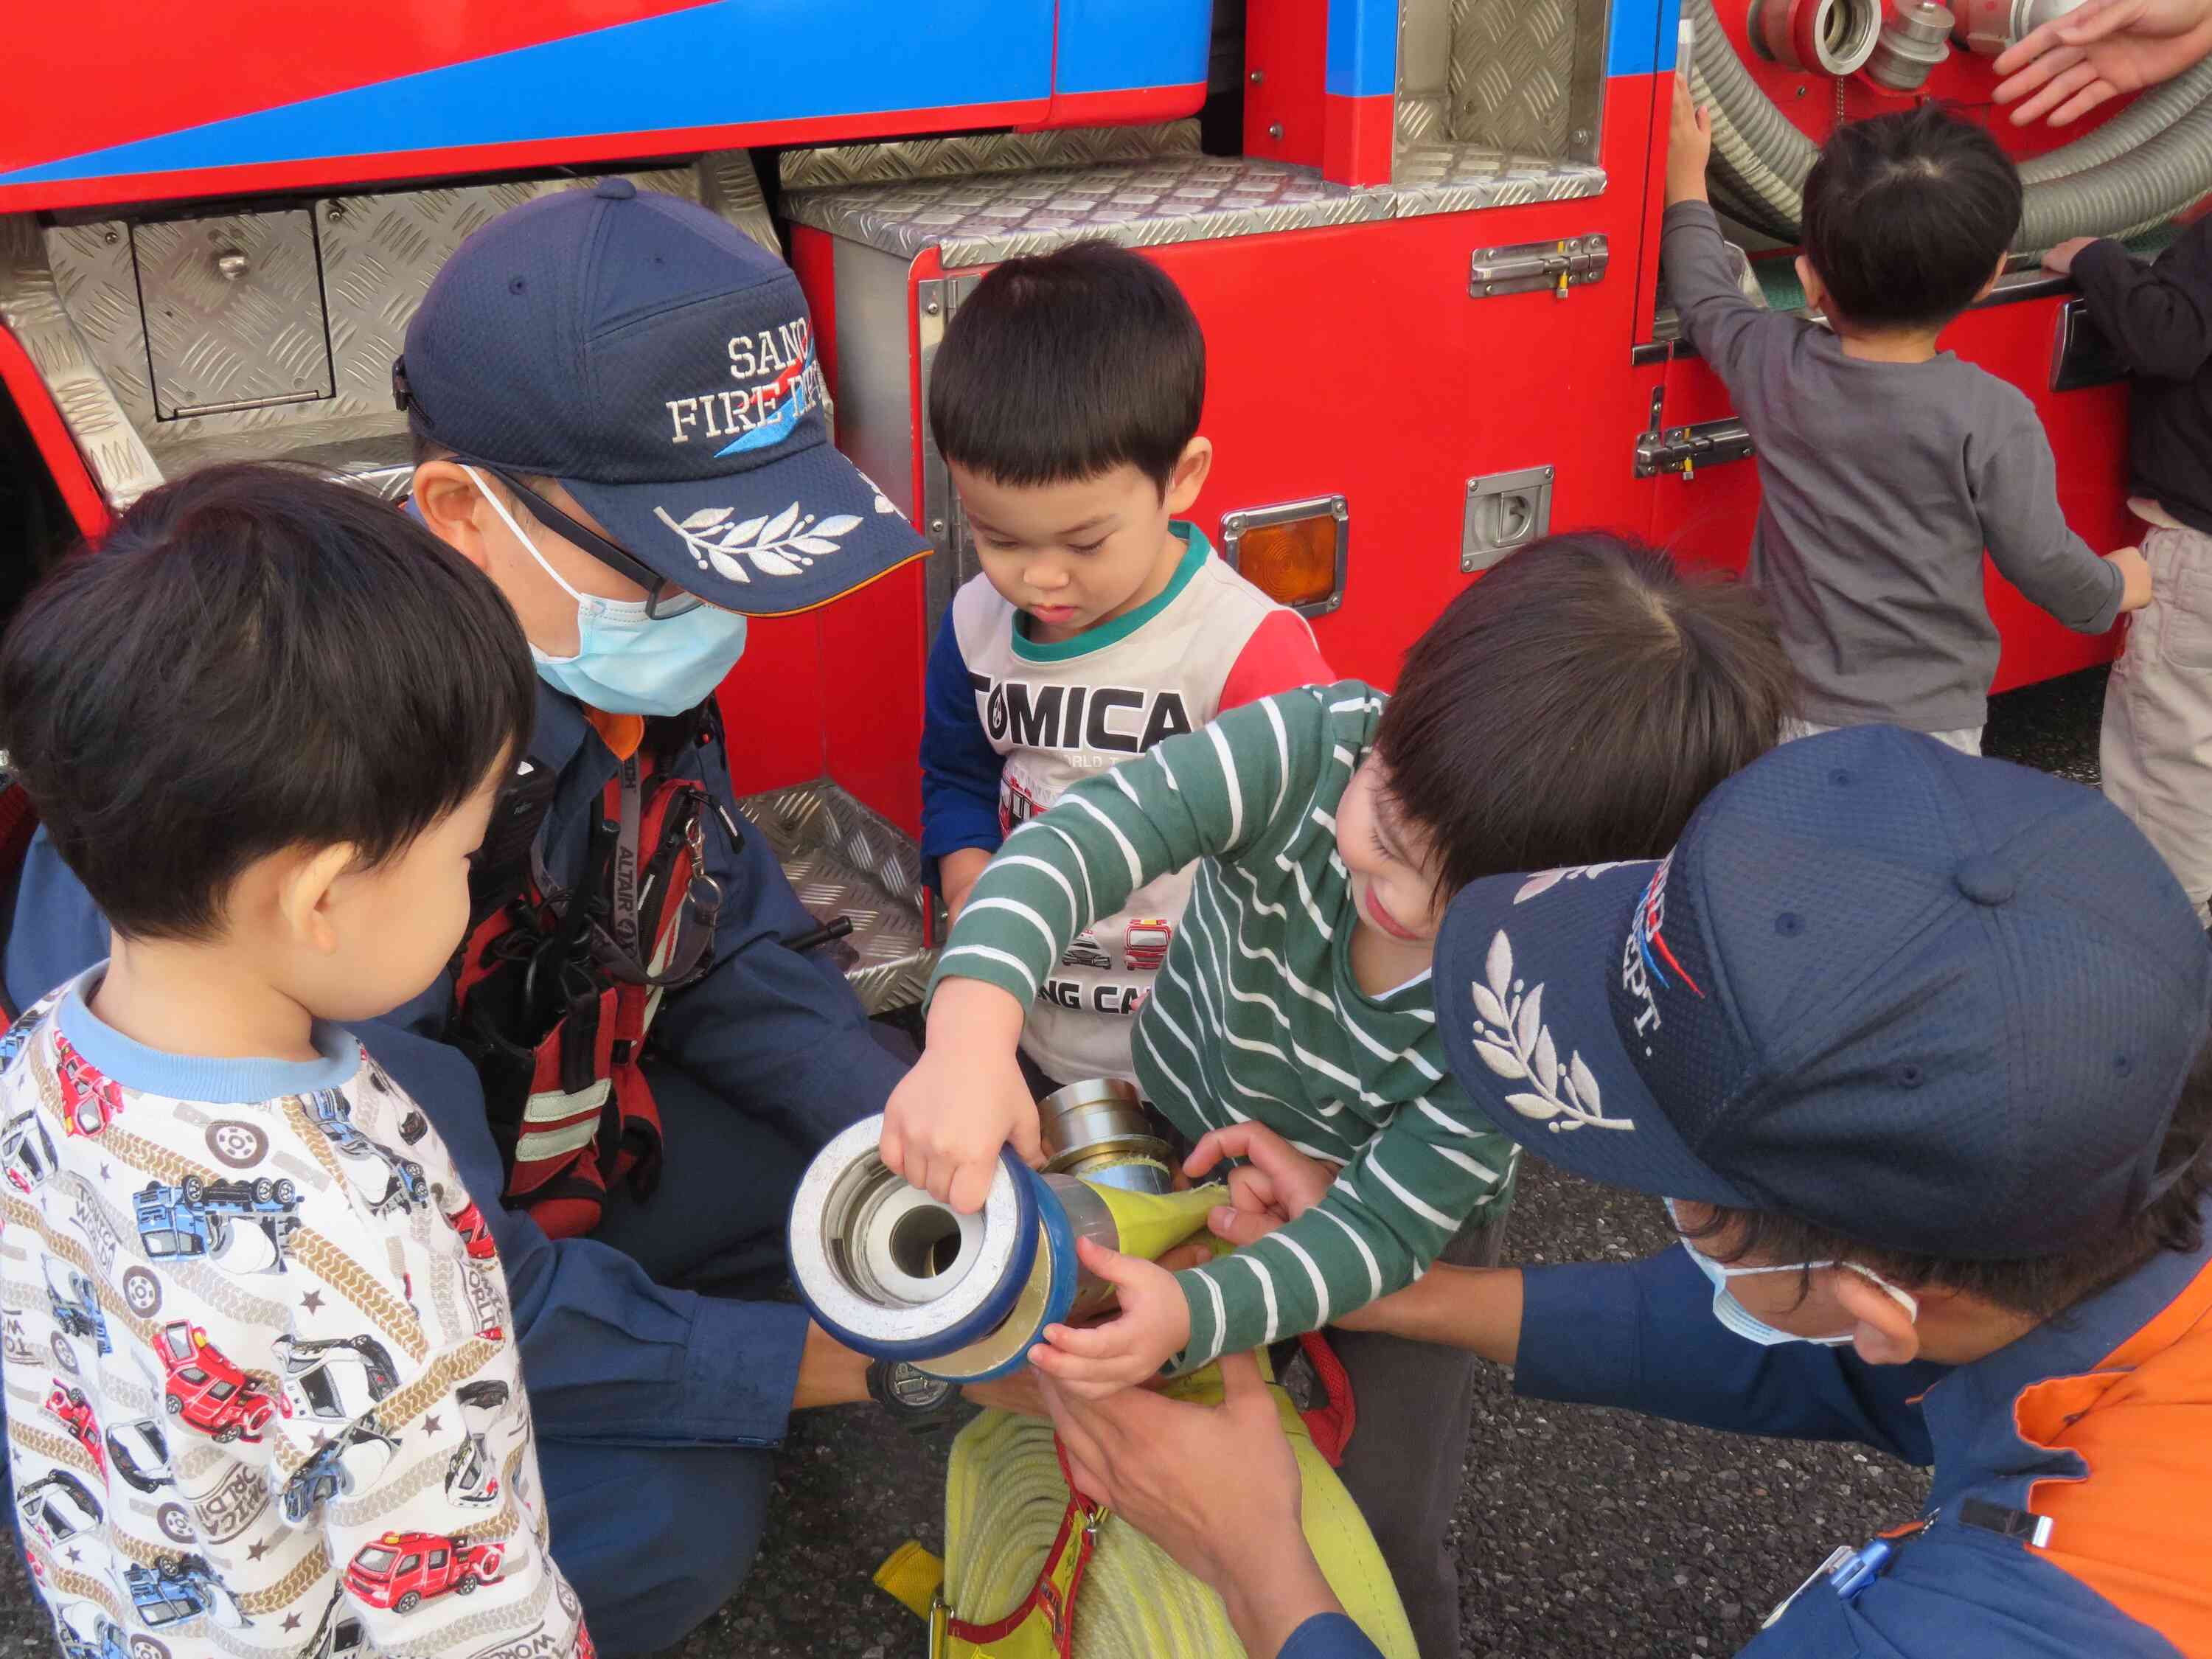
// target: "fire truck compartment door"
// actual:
[[233, 307]]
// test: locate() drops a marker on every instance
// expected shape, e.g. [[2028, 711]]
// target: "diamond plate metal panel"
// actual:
[[69, 292], [1512, 63], [32, 303], [1455, 179], [836, 166], [843, 860], [982, 219], [232, 312]]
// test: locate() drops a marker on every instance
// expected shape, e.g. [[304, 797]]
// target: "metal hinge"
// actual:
[[1683, 449], [1526, 266]]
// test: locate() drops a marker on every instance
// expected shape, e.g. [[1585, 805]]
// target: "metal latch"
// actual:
[[1526, 266], [1683, 449]]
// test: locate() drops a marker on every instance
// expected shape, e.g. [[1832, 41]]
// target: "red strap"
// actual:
[[1074, 1524], [1331, 1425]]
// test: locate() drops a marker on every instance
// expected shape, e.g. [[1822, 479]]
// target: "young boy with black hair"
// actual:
[[1066, 400], [2156, 754], [1885, 467], [1572, 705], [264, 724]]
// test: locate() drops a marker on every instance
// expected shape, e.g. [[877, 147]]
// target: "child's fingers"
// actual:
[[1111, 1265], [1204, 1156], [1027, 1140], [968, 1184], [1252, 1188], [891, 1148], [1103, 1341]]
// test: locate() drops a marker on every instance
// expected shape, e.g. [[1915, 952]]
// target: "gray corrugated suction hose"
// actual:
[[2136, 171]]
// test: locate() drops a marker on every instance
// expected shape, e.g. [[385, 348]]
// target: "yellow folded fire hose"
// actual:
[[1029, 1575]]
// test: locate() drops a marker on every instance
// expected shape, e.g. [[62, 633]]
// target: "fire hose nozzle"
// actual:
[[891, 1272]]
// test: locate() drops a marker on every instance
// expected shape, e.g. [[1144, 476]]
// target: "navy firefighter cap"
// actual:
[[1937, 1004], [662, 366]]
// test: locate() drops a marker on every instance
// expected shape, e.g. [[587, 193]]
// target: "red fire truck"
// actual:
[[1421, 236]]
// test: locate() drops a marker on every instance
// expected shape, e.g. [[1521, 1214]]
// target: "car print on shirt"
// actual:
[[68, 1406], [476, 1235], [207, 1392], [27, 1152], [334, 1378], [58, 1507], [403, 1570], [178, 1589], [139, 1452], [1146, 944], [241, 1226], [18, 1038], [354, 1462], [77, 1310], [471, 1473], [1084, 951], [86, 1631], [387, 1180], [90, 1098]]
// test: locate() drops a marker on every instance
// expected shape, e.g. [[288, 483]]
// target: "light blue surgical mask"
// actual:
[[1735, 1316], [627, 663]]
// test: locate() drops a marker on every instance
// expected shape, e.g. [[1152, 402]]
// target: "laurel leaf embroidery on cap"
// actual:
[[785, 544], [1511, 1039], [1544, 880]]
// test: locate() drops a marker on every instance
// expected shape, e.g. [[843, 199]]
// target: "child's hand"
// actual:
[[1279, 1184], [1152, 1328], [2134, 574], [964, 1099], [1689, 145], [2061, 259]]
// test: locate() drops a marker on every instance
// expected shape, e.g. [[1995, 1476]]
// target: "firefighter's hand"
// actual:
[[2098, 50], [1216, 1487], [1153, 1326], [945, 1122], [2134, 578], [1689, 145], [1278, 1184]]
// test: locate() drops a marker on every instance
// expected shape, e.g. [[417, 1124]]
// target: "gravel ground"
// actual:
[[1581, 1534]]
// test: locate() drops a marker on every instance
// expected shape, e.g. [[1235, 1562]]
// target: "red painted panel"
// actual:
[[873, 659], [208, 63], [772, 703], [396, 165], [1358, 138], [1286, 47], [1125, 106]]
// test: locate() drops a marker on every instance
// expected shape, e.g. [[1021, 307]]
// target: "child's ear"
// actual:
[[1994, 275], [305, 896], [1189, 476], [450, 504], [1809, 280]]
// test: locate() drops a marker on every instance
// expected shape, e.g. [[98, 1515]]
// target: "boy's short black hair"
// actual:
[[1576, 704], [254, 657], [1067, 365], [1906, 216], [2041, 1288]]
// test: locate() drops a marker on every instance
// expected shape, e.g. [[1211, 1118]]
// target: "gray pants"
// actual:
[[1404, 1465], [1967, 740], [2156, 751]]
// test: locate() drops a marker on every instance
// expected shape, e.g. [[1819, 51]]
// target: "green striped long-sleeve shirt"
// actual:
[[1256, 1015]]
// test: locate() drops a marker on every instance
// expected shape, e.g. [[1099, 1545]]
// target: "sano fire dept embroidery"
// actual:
[[1648, 963]]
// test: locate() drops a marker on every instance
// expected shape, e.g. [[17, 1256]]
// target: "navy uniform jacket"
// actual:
[[2100, 1420], [608, 1356]]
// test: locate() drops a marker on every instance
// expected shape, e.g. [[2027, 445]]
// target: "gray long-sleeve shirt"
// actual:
[[1880, 484]]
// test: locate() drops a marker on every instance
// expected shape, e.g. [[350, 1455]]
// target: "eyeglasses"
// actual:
[[663, 598]]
